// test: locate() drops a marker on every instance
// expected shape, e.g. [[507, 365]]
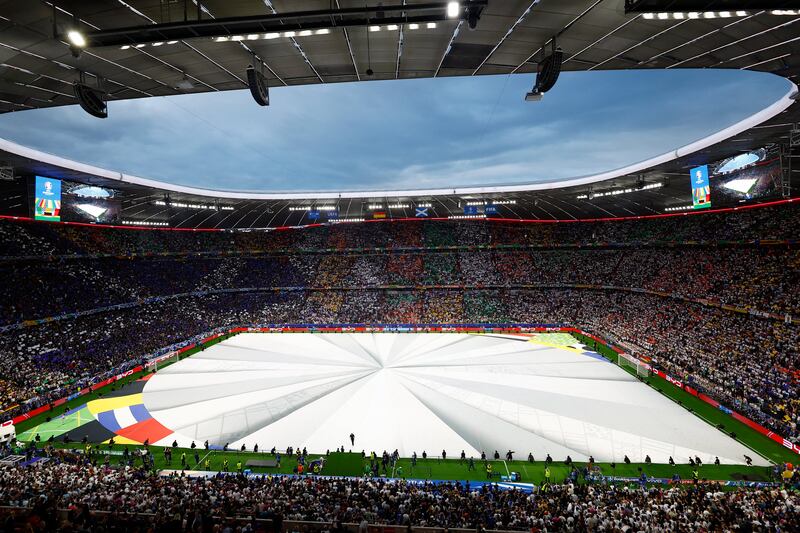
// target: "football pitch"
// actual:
[[433, 393], [414, 393]]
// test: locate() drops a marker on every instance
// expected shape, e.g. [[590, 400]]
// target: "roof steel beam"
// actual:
[[669, 6], [297, 21]]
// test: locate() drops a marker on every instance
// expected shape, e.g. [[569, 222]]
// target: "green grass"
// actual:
[[347, 464], [556, 339], [26, 425], [57, 426], [351, 464]]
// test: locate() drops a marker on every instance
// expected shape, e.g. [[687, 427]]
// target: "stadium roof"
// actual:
[[141, 48], [38, 71]]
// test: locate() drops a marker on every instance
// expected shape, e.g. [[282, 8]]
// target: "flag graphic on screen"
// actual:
[[701, 189], [47, 203]]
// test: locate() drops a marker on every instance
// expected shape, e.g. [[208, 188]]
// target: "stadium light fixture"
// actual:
[[143, 223], [76, 38], [375, 17], [276, 35], [453, 8], [697, 15], [616, 192], [465, 217], [491, 202]]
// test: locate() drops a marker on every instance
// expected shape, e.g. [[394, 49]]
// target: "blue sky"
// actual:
[[407, 133]]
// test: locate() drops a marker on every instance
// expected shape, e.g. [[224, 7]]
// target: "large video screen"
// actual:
[[47, 199], [90, 203], [759, 181]]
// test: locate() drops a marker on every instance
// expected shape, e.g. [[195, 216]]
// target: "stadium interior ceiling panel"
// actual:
[[510, 36]]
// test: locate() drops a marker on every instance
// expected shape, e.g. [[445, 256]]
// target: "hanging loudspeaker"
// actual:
[[90, 100], [548, 75], [258, 86]]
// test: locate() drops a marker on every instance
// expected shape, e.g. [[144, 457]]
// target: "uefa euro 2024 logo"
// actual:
[[48, 188], [699, 175]]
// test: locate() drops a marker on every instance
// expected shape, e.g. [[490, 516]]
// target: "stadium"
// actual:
[[575, 308]]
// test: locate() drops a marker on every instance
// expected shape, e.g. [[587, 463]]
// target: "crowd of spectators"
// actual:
[[762, 278], [406, 273], [205, 504]]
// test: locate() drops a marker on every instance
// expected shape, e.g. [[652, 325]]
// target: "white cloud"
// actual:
[[452, 131]]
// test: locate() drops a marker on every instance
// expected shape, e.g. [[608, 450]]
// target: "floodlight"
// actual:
[[452, 9], [76, 38]]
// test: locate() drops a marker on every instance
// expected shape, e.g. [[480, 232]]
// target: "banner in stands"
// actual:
[[701, 189], [47, 203]]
